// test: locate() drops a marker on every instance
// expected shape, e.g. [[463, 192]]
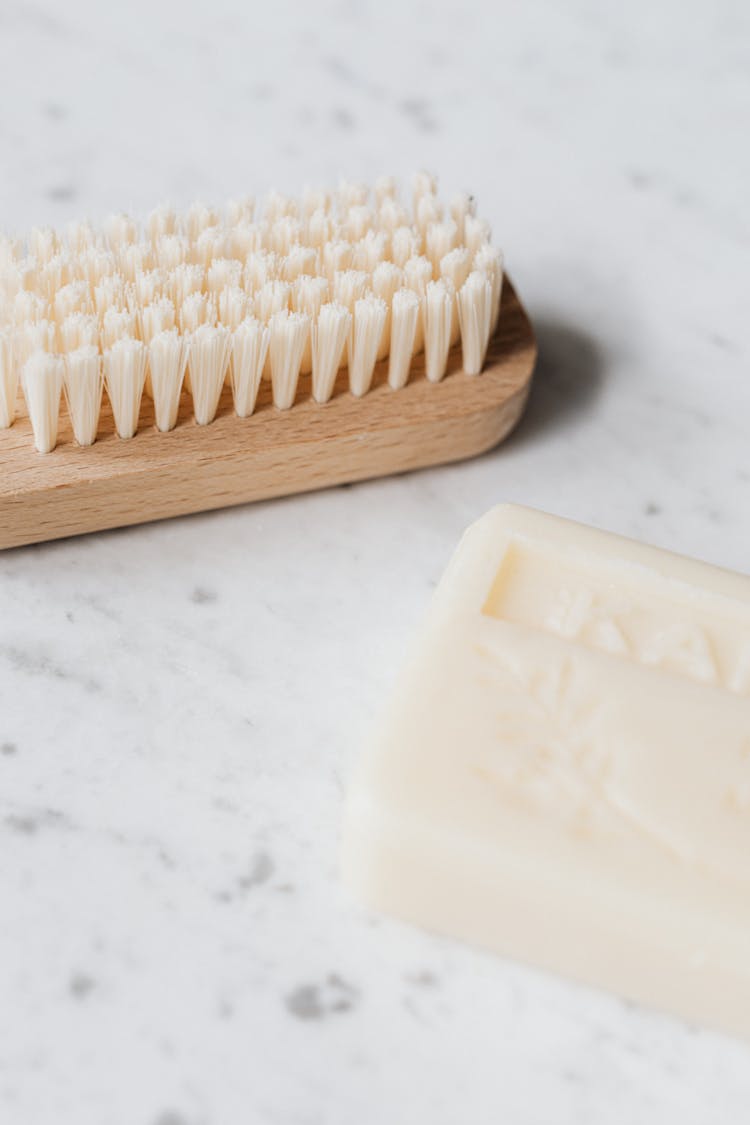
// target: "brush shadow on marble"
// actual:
[[570, 374]]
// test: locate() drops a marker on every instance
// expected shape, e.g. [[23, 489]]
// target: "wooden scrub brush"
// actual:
[[211, 358]]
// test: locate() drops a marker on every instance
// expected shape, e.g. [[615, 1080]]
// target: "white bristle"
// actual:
[[349, 286], [167, 360], [131, 299], [455, 267], [135, 261], [198, 219], [184, 280], [308, 294], [438, 308], [405, 244], [77, 331], [250, 341], [197, 311], [210, 244], [299, 261], [350, 195], [84, 382], [423, 183], [319, 229], [39, 336], [240, 210], [271, 298], [336, 257], [96, 264], [10, 280], [391, 216], [386, 279], [329, 334], [221, 273], [207, 364], [315, 199], [161, 221], [110, 291], [461, 206], [79, 236], [10, 251], [244, 239], [332, 268], [385, 187], [135, 258], [490, 261], [117, 324], [125, 377], [27, 275], [150, 285], [357, 222], [8, 378], [119, 231], [42, 381], [440, 239], [56, 273], [261, 267], [367, 331], [289, 333], [418, 272], [405, 308], [29, 307], [171, 251], [285, 233], [369, 251], [475, 316], [234, 306], [427, 212], [476, 233], [155, 318], [278, 206], [73, 297], [44, 244]]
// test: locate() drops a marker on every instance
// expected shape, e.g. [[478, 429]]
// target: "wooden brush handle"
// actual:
[[114, 483]]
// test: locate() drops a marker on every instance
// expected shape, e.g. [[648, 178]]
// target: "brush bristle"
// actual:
[[438, 309], [83, 383], [329, 334], [405, 310], [42, 385], [167, 360], [207, 362], [474, 301], [8, 379], [289, 332], [124, 378], [248, 356], [367, 329], [191, 301]]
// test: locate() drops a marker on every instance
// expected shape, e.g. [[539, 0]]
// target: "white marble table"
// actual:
[[181, 704]]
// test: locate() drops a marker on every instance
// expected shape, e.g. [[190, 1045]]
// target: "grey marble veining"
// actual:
[[181, 704]]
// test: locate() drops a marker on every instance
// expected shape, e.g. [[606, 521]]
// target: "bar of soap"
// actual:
[[563, 776]]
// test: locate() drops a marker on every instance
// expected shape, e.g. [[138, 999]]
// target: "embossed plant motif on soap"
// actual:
[[547, 730], [553, 750]]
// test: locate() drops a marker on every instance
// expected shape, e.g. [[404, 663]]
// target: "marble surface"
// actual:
[[181, 704]]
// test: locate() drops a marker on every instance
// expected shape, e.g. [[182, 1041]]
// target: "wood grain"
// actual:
[[235, 460]]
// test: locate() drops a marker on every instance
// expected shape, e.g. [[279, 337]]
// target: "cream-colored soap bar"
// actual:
[[564, 774]]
